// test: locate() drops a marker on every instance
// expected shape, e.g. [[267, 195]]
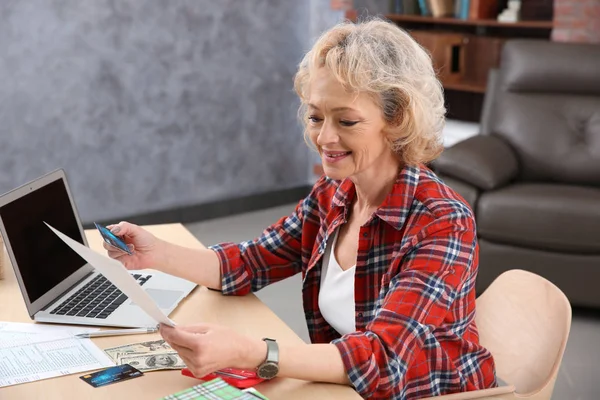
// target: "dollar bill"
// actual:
[[153, 347], [152, 362]]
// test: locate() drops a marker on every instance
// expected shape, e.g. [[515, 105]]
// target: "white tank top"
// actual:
[[336, 296]]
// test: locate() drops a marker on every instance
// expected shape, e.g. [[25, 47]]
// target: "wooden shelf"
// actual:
[[472, 47], [471, 22], [464, 87]]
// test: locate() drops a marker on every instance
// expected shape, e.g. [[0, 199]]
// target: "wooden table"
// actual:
[[246, 314]]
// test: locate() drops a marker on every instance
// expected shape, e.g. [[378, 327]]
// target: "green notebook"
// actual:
[[217, 389]]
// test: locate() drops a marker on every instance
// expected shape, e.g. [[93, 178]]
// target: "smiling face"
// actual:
[[393, 81], [348, 130]]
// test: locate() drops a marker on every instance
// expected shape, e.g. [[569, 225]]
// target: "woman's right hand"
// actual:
[[146, 248]]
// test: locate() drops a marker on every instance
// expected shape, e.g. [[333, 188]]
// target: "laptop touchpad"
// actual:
[[164, 298]]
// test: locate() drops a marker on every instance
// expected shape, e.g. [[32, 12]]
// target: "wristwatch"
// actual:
[[270, 367]]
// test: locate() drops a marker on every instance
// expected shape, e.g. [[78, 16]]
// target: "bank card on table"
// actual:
[[111, 375]]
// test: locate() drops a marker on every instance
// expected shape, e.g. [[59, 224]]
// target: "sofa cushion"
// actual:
[[556, 138], [542, 216]]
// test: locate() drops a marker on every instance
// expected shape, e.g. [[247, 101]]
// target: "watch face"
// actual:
[[268, 370]]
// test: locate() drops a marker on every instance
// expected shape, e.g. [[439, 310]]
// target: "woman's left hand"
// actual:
[[206, 348]]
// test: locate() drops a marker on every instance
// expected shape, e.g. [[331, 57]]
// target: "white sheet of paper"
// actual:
[[32, 352], [115, 272], [15, 333]]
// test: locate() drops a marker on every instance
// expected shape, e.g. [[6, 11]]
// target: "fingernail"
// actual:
[[116, 229]]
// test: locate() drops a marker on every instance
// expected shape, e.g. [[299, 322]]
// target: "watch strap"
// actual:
[[272, 350]]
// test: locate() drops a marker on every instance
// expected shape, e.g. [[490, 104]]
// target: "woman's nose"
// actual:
[[327, 135]]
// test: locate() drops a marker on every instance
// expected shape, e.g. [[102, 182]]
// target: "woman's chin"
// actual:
[[335, 174]]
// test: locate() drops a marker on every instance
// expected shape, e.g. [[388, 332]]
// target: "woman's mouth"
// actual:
[[335, 156]]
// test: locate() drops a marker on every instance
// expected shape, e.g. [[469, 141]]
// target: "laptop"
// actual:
[[58, 286]]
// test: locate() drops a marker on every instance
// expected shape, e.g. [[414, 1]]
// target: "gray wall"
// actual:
[[152, 104]]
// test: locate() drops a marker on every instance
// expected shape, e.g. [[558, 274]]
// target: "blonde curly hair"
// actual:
[[379, 58]]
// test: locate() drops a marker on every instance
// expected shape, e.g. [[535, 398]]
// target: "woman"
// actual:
[[388, 253]]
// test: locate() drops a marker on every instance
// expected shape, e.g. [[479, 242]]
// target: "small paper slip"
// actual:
[[114, 271], [32, 352], [217, 389]]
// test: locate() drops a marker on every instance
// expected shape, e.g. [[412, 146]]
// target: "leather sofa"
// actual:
[[533, 174]]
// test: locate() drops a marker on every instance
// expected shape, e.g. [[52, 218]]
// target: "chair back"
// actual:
[[524, 321], [545, 103]]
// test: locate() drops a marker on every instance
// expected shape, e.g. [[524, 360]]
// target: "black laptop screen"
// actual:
[[43, 259]]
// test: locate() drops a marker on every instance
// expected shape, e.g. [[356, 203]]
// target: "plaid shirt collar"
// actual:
[[396, 206]]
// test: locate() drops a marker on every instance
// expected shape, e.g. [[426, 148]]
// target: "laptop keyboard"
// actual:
[[97, 299]]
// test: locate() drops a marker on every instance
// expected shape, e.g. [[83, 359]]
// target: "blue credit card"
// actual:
[[111, 375], [112, 239]]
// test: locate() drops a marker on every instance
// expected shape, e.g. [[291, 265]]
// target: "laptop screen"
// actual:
[[43, 259]]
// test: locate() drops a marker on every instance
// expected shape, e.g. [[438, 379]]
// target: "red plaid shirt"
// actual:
[[414, 284]]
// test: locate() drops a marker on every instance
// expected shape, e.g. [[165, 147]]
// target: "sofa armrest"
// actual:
[[486, 162]]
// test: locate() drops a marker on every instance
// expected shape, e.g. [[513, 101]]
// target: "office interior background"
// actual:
[[185, 112]]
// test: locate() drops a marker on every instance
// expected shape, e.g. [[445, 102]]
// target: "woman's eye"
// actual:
[[348, 123], [314, 120]]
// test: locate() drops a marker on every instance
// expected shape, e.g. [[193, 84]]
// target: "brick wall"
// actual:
[[576, 21]]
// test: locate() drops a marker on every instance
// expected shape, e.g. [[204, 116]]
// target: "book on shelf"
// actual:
[[411, 7], [476, 9], [463, 9], [483, 9], [441, 8], [406, 7], [424, 8], [457, 6]]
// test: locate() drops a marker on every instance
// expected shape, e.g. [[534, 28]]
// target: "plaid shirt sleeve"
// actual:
[[439, 259], [275, 255]]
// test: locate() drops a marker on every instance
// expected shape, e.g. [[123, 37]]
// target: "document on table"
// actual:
[[115, 272], [32, 352]]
